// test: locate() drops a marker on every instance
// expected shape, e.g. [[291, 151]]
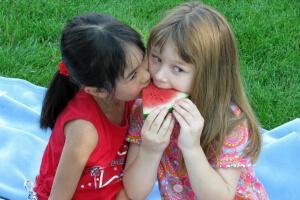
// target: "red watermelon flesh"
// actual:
[[153, 97]]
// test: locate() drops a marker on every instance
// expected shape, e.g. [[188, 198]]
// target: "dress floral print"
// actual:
[[174, 184]]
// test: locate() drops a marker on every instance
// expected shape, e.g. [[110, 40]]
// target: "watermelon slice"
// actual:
[[153, 97]]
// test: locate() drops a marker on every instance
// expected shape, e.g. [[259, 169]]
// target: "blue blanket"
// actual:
[[22, 143]]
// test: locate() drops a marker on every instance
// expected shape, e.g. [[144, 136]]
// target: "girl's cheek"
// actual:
[[152, 70], [145, 63]]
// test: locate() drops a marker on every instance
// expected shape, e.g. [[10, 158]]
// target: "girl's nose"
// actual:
[[160, 75]]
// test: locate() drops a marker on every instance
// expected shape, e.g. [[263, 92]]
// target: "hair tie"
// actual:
[[63, 70]]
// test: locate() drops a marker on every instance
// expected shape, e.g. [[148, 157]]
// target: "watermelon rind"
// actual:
[[168, 105]]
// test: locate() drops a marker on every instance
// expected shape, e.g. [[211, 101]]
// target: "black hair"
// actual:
[[93, 47]]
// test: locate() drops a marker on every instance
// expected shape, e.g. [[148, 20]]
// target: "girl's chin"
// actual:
[[160, 85]]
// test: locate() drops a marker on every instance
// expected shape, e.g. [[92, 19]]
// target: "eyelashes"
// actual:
[[133, 76], [155, 58], [175, 68]]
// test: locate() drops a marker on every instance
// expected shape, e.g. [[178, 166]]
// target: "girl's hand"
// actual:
[[157, 130], [191, 124]]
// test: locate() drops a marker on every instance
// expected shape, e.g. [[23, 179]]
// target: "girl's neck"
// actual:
[[112, 109]]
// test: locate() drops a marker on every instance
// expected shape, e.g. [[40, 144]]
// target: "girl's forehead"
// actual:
[[133, 55], [160, 47], [168, 47], [171, 52], [134, 58]]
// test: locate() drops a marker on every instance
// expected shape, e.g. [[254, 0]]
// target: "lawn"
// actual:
[[267, 32]]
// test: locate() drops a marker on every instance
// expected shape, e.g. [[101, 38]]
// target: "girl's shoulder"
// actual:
[[235, 109], [136, 116], [136, 122], [82, 129], [74, 128], [137, 105], [233, 150], [237, 137], [235, 143]]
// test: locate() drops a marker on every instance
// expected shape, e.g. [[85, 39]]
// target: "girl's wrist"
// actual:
[[195, 150], [153, 154]]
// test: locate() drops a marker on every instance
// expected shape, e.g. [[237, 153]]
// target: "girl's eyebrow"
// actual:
[[155, 50], [131, 72], [176, 61]]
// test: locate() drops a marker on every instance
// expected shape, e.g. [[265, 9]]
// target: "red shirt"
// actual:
[[102, 175]]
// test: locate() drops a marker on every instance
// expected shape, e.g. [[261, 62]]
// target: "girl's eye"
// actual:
[[156, 59], [133, 76], [177, 69]]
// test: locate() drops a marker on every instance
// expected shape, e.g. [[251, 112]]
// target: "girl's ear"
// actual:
[[102, 93]]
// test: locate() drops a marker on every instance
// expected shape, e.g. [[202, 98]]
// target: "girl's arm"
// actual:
[[81, 140], [143, 160], [207, 182], [140, 172]]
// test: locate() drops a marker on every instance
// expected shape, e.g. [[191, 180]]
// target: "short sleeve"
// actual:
[[136, 123], [232, 154]]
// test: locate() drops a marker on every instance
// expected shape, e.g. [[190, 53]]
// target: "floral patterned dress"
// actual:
[[175, 185]]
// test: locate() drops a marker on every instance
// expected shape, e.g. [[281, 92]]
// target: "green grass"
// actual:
[[267, 32]]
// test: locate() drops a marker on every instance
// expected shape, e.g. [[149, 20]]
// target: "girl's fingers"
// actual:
[[150, 119], [158, 120], [165, 125], [186, 115], [184, 104], [190, 107], [182, 122], [170, 128]]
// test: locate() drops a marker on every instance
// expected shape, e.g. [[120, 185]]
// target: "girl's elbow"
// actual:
[[134, 193], [229, 195], [135, 196], [231, 190], [221, 196]]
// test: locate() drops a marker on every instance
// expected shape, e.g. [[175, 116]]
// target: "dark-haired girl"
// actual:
[[87, 106]]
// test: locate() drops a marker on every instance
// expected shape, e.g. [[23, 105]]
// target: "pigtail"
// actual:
[[59, 93]]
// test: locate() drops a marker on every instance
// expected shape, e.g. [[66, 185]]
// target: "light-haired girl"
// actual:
[[210, 149]]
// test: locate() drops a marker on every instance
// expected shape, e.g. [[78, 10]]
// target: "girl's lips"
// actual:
[[160, 86]]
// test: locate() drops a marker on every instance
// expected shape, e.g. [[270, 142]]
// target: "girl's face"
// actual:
[[168, 70], [136, 77]]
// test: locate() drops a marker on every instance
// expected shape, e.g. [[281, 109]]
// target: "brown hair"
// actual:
[[204, 38]]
